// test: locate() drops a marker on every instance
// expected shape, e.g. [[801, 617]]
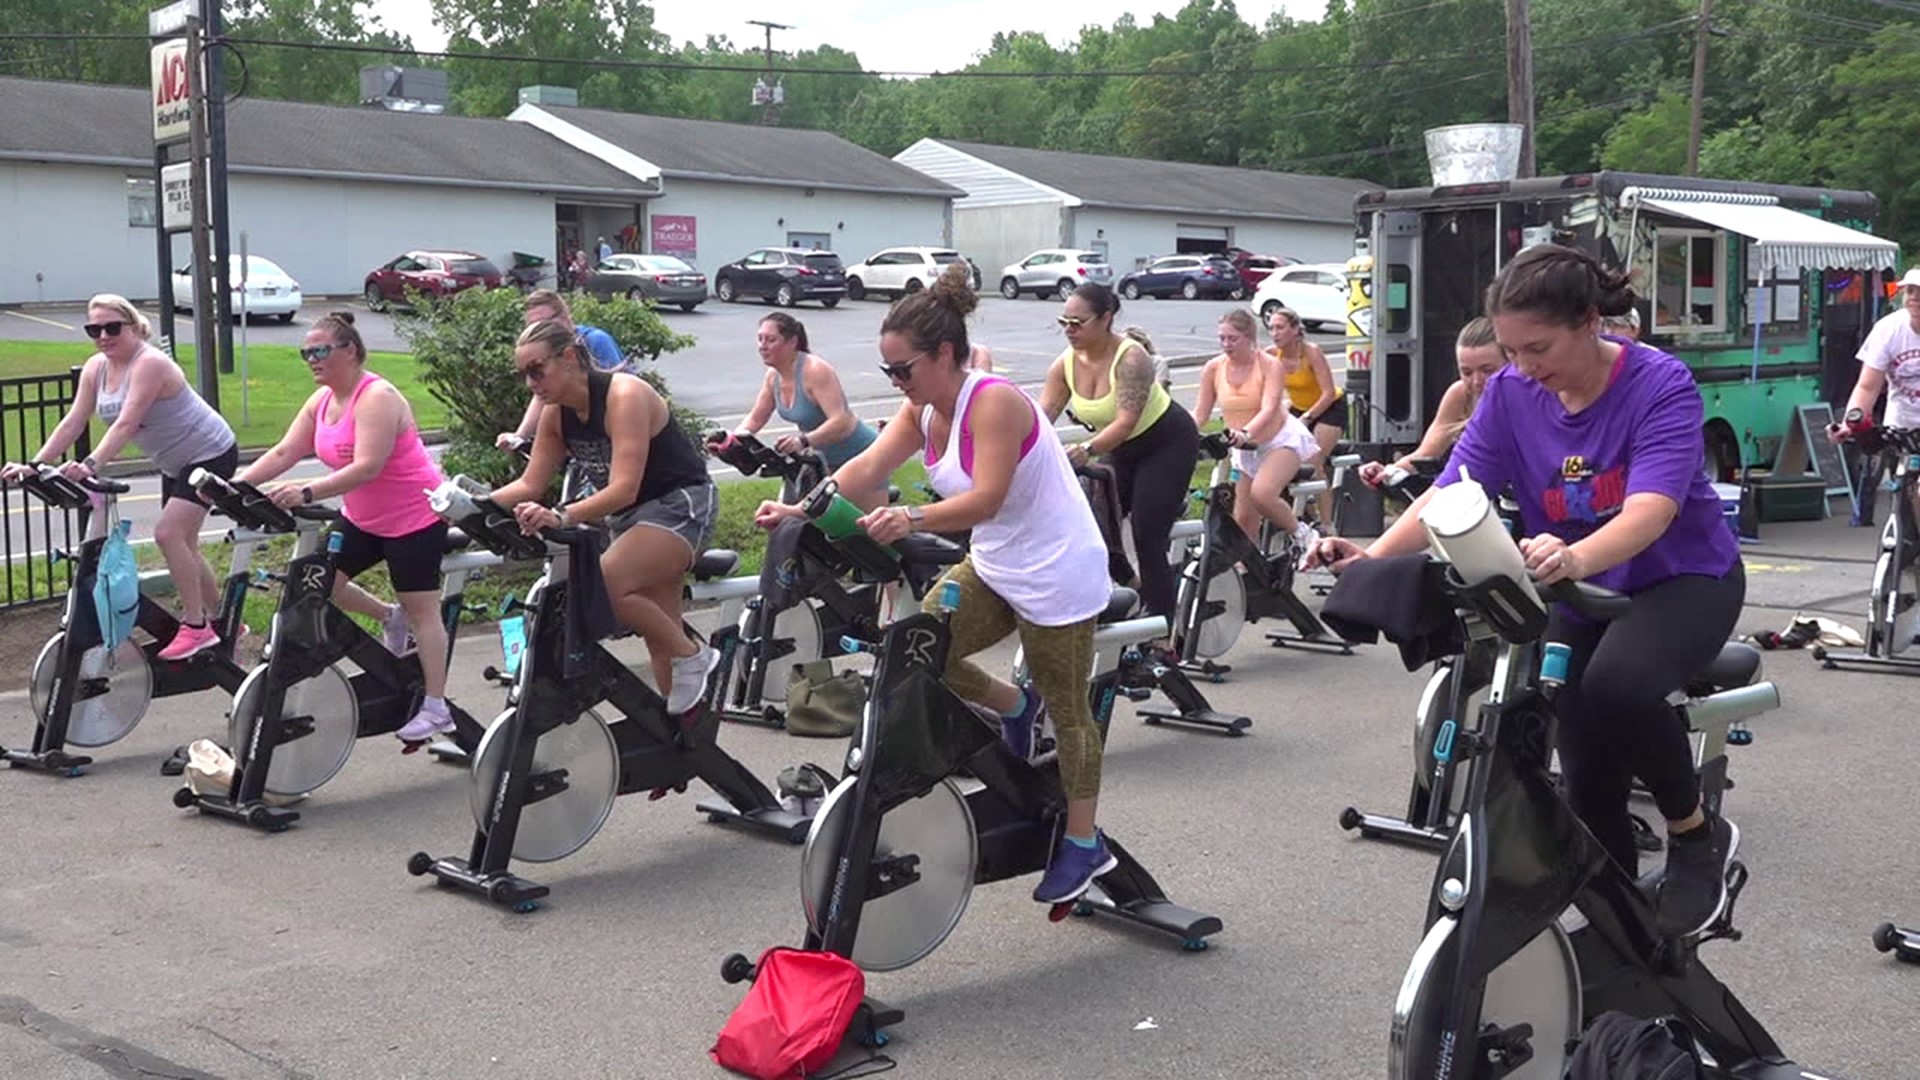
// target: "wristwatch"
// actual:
[[92, 466], [916, 516], [306, 495], [565, 519]]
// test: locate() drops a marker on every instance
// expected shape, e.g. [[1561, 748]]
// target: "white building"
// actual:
[[726, 189], [1018, 200], [329, 193]]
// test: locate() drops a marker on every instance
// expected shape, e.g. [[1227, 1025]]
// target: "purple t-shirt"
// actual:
[[1571, 473]]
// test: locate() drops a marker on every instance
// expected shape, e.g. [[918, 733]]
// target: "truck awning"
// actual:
[[1783, 239]]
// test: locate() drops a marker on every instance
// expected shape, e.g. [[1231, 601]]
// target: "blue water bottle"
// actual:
[[1555, 658], [334, 541], [949, 599]]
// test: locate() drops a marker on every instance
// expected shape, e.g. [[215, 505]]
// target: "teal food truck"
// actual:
[[1764, 290]]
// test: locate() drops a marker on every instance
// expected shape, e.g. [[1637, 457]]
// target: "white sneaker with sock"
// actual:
[[690, 679]]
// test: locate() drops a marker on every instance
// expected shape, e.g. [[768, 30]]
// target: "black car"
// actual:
[[1191, 276], [785, 276]]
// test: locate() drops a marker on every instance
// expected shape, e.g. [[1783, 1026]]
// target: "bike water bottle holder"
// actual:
[[1503, 603]]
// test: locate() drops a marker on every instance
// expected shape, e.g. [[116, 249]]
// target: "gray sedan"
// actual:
[[660, 278]]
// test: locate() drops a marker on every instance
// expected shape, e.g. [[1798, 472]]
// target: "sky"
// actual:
[[887, 35]]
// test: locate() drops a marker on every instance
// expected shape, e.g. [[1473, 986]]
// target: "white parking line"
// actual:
[[38, 319]]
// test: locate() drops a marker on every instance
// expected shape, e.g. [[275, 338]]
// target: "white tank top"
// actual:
[[1042, 553]]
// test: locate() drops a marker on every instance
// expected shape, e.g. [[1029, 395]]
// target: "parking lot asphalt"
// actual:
[[139, 940], [721, 372]]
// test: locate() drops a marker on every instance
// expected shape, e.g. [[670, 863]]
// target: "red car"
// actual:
[[436, 273], [1255, 268]]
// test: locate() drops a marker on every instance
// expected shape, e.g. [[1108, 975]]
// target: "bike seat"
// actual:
[[1120, 604], [457, 540], [1737, 665], [714, 563]]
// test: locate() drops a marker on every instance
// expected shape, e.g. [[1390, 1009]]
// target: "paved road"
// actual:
[[721, 372], [137, 940]]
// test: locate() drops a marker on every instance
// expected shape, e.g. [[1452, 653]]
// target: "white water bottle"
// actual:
[[451, 502]]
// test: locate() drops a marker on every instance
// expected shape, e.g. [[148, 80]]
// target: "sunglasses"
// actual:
[[901, 372], [105, 329], [1073, 322], [536, 372], [316, 352]]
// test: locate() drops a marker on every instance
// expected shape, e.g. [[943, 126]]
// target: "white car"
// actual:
[[898, 271], [1055, 272], [270, 290], [1317, 291]]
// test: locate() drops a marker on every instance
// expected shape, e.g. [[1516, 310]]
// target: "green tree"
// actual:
[[1868, 142], [563, 34], [1650, 140]]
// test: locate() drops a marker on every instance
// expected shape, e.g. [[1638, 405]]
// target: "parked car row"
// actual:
[[788, 276]]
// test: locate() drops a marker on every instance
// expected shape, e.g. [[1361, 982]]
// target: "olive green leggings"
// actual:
[[1058, 659]]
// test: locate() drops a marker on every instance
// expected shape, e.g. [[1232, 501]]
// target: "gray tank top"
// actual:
[[178, 432]]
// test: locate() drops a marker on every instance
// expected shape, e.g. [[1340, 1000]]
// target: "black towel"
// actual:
[[589, 616], [1400, 596]]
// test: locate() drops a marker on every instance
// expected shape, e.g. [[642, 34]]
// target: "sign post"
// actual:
[[180, 112]]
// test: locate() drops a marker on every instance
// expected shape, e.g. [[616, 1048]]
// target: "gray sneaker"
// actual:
[[1694, 892], [690, 679]]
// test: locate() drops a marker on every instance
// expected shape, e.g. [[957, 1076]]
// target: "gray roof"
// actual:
[[1135, 184], [113, 125], [748, 153]]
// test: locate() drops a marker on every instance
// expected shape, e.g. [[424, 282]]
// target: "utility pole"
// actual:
[[1520, 78], [769, 95], [216, 188], [1694, 122]]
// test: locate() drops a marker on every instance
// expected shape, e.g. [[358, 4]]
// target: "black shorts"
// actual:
[[413, 560], [223, 465], [1334, 417]]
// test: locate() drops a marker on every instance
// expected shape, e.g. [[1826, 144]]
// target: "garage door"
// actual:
[[1201, 239]]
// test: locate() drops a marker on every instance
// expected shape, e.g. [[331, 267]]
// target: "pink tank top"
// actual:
[[394, 503]]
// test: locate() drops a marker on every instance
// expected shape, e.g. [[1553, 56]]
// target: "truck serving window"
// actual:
[[1689, 287]]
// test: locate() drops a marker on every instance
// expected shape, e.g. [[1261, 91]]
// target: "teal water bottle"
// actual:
[[1555, 658]]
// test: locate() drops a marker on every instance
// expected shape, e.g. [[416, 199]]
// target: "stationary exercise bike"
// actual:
[[754, 655], [1122, 665], [84, 694], [899, 844], [548, 769], [1532, 931], [1227, 580], [297, 715], [1714, 706], [1893, 604]]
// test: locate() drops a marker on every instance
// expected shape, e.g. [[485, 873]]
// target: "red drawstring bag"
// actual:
[[790, 1024]]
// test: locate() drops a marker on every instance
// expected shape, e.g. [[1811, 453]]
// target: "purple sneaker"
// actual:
[[1072, 869], [1020, 731]]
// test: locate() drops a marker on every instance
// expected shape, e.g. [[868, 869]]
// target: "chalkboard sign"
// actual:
[[1807, 453]]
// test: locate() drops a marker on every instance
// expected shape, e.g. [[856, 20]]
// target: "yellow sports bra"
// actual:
[[1303, 390], [1099, 412]]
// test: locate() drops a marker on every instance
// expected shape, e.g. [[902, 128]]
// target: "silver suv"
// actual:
[[1054, 272]]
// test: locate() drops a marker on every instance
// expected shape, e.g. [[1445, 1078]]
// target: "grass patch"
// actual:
[[277, 384]]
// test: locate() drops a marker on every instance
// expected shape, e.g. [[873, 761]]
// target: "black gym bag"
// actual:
[[1617, 1046]]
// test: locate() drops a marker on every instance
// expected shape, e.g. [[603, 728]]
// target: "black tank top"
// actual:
[[672, 462]]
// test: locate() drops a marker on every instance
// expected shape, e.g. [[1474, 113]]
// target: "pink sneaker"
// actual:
[[189, 640]]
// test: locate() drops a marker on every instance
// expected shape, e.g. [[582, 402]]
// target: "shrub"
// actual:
[[464, 345]]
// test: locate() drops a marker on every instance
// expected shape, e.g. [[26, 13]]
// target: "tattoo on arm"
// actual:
[[1133, 380]]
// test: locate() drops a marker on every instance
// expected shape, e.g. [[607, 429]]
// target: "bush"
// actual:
[[464, 346]]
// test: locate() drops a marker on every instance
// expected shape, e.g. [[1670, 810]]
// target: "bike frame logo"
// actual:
[[313, 577], [919, 646]]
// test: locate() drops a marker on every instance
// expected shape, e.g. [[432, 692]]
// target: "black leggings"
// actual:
[[1615, 722], [1152, 471]]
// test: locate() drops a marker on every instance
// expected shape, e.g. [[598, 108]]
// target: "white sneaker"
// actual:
[[1305, 535], [395, 632], [432, 719], [690, 679]]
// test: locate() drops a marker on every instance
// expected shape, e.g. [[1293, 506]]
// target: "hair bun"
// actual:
[[953, 290], [343, 316]]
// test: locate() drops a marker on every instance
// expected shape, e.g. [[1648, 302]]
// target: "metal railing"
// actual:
[[31, 533]]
